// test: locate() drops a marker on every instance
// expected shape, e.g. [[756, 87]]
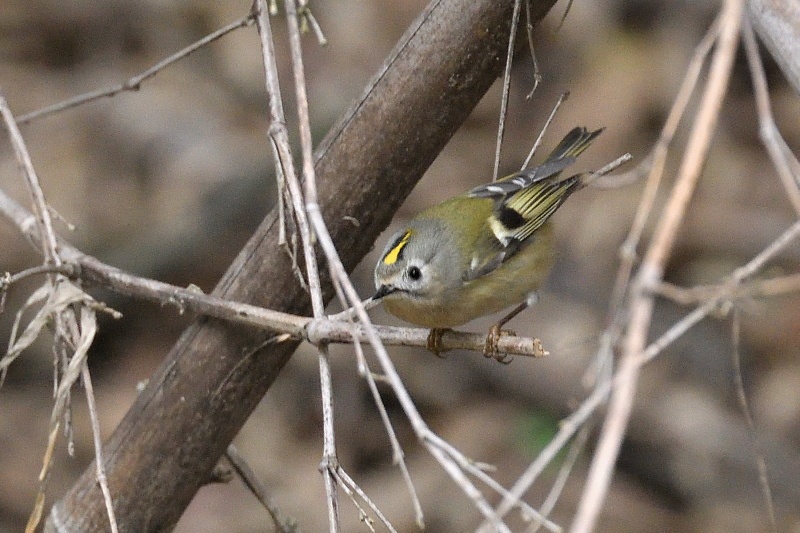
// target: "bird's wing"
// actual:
[[494, 255], [516, 218]]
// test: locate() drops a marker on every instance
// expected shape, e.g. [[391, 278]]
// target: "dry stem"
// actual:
[[642, 302]]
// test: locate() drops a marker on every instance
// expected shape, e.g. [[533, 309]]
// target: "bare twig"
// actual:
[[607, 168], [326, 330], [770, 135], [8, 279], [398, 457], [655, 163], [42, 213], [98, 446], [280, 138], [564, 16], [501, 127], [251, 481], [752, 289], [599, 373], [289, 196], [537, 75], [575, 450], [651, 271], [135, 83], [352, 489], [309, 20], [736, 356], [561, 100], [67, 269]]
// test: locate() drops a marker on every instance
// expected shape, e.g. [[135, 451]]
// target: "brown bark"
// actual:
[[167, 444]]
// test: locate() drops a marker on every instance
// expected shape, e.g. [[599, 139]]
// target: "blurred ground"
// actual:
[[169, 182]]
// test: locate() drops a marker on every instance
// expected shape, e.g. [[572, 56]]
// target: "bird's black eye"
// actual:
[[414, 273]]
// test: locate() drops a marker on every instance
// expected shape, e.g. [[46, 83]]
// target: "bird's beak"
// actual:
[[383, 290]]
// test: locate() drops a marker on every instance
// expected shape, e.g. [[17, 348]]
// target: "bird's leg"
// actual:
[[435, 341], [497, 331]]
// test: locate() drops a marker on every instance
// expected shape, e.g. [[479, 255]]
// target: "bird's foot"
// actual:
[[435, 342], [492, 339]]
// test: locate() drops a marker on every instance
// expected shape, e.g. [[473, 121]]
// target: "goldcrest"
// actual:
[[481, 252]]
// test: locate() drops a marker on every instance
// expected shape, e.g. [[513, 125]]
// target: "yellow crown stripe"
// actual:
[[394, 254]]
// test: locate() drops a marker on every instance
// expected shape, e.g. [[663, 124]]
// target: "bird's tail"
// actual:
[[574, 143]]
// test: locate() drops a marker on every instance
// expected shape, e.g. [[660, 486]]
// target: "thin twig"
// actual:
[[280, 138], [770, 135], [653, 165], [135, 83], [478, 471], [561, 99], [398, 457], [42, 213], [66, 269], [501, 127], [251, 481], [353, 489], [537, 75], [575, 450], [602, 368], [308, 16], [755, 288], [621, 404], [607, 168], [763, 474], [324, 330], [98, 446], [564, 16], [656, 162]]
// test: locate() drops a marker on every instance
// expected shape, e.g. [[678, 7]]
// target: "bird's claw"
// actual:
[[492, 339], [435, 342]]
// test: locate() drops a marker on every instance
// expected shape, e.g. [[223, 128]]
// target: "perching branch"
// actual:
[[90, 270]]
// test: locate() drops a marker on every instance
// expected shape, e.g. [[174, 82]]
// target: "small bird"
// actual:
[[480, 252]]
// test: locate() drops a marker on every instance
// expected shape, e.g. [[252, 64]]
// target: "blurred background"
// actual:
[[170, 181]]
